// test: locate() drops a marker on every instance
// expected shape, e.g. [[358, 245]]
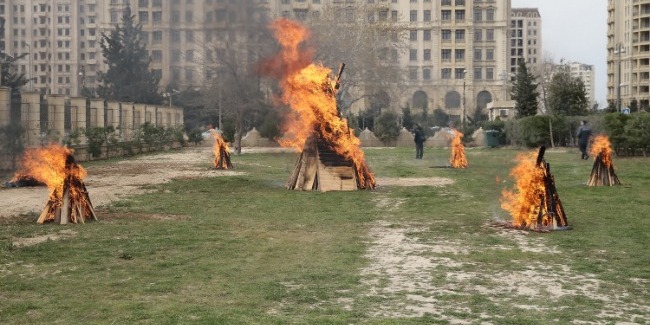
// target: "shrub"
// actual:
[[387, 127]]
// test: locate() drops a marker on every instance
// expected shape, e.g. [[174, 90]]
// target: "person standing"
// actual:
[[419, 137], [583, 135]]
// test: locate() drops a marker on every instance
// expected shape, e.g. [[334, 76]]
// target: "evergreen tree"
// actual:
[[128, 77], [11, 78], [524, 92], [567, 95]]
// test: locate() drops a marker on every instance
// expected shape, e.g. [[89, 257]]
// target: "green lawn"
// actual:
[[243, 250]]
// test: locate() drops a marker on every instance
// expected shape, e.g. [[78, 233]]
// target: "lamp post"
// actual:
[[464, 120], [618, 51], [170, 95], [29, 69]]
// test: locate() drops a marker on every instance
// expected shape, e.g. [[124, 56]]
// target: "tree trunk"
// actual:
[[550, 130], [238, 134]]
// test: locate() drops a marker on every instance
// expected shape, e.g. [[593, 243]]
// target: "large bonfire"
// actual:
[[68, 201], [310, 93], [534, 204], [457, 159], [603, 171]]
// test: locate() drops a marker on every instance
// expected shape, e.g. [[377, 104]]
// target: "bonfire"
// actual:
[[68, 200], [602, 173], [535, 203], [221, 152], [457, 159], [331, 157]]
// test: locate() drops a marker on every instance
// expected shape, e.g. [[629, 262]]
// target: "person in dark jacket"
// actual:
[[583, 135], [419, 137]]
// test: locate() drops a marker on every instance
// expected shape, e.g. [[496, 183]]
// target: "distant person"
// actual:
[[583, 135], [419, 137]]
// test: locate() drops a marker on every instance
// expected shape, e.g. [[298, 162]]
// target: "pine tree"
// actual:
[[524, 92], [11, 78], [129, 77]]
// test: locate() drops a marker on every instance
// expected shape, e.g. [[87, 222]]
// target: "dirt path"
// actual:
[[110, 182]]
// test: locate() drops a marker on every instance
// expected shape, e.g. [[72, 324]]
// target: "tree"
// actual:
[[407, 118], [364, 38], [387, 127], [524, 92], [566, 94], [128, 77], [236, 90], [11, 78]]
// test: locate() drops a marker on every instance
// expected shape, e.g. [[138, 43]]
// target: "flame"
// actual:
[[309, 91], [603, 148], [525, 202], [220, 147], [48, 165], [457, 159]]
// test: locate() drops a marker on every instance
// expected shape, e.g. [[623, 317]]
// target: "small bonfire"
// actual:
[[55, 166], [457, 159], [602, 174], [330, 154], [534, 204], [221, 152]]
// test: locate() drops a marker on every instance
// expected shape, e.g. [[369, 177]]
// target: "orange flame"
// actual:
[[524, 203], [48, 165], [221, 151], [457, 159], [601, 146], [309, 91]]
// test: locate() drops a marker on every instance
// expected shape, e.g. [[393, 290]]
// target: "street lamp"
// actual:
[[464, 120], [618, 51], [170, 95], [29, 68]]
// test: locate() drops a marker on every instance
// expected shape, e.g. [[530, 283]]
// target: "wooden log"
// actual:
[[65, 208], [45, 213]]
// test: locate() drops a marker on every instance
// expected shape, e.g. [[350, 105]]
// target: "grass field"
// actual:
[[243, 250]]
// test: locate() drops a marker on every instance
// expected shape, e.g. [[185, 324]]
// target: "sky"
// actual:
[[575, 30]]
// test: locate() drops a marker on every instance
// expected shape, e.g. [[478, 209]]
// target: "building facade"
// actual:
[[587, 74], [525, 38], [628, 53]]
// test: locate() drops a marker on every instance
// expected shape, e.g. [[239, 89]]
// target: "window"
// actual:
[[157, 36], [393, 15], [460, 34], [176, 55], [478, 14], [189, 36], [156, 55], [426, 74], [446, 15], [489, 14], [156, 16], [176, 16], [478, 35], [446, 2], [413, 35], [413, 73], [460, 73], [143, 16], [427, 35], [478, 54], [383, 15], [489, 54], [144, 36], [143, 3], [446, 35], [413, 55], [414, 15], [176, 36], [446, 73], [189, 75], [189, 16], [427, 15], [489, 73], [446, 55], [478, 73], [156, 3], [460, 15], [189, 55], [489, 34], [460, 55], [427, 55]]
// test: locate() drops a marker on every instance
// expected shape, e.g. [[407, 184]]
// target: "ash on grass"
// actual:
[[409, 276]]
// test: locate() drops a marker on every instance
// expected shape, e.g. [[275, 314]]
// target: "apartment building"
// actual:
[[525, 38], [458, 49], [628, 53], [587, 74]]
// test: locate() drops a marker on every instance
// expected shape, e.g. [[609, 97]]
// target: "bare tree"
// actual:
[[234, 89], [368, 40]]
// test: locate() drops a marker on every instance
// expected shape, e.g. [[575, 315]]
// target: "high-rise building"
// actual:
[[457, 49], [587, 74], [628, 53], [525, 38]]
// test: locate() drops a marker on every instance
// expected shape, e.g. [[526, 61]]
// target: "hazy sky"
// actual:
[[575, 30]]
